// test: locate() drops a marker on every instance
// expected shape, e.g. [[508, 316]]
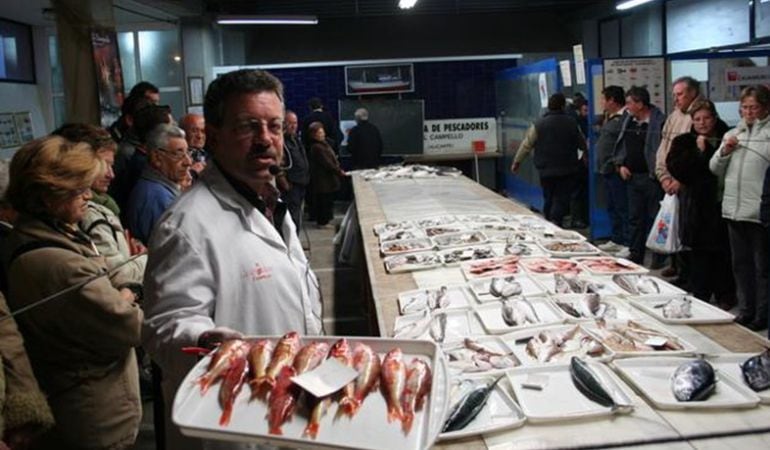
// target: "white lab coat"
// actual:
[[215, 260]]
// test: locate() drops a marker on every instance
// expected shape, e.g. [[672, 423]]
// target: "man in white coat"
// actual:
[[225, 259]]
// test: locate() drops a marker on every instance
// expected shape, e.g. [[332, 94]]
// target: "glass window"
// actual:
[[174, 99], [57, 83], [127, 58], [159, 57]]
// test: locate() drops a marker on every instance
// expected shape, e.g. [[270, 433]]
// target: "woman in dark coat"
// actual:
[[325, 173], [702, 229]]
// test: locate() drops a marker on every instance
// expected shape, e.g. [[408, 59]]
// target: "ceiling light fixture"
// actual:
[[628, 4], [406, 4], [267, 20]]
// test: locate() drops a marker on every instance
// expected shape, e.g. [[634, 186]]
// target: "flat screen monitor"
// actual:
[[17, 63]]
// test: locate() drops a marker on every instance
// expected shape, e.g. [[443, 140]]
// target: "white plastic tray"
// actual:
[[198, 416], [405, 263], [729, 364], [687, 348], [399, 235], [441, 230], [560, 400], [456, 256], [492, 226], [556, 233], [491, 316], [480, 287], [405, 246], [462, 239], [652, 378], [629, 267], [665, 287], [460, 323], [518, 342], [393, 226], [491, 343], [545, 266], [578, 248], [509, 236], [530, 249], [621, 308], [427, 222], [702, 312], [416, 300], [500, 412], [493, 267], [604, 284], [479, 218]]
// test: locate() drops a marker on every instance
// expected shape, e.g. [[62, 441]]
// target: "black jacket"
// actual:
[[298, 171], [365, 146], [558, 140]]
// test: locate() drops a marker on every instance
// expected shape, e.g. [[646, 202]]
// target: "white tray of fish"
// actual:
[[554, 344], [544, 265], [400, 235], [438, 326], [499, 411], [479, 218], [441, 297], [631, 284], [435, 221], [519, 284], [550, 233], [559, 399], [758, 370], [405, 246], [681, 309], [459, 239], [609, 265], [589, 307], [409, 262], [491, 226], [479, 354], [441, 230], [199, 415], [565, 249], [507, 237], [638, 338], [582, 283], [493, 267], [519, 248], [533, 223], [666, 386], [381, 228], [455, 256], [518, 313]]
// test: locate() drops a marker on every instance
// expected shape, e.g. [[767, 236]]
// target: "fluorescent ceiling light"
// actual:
[[406, 4], [628, 4], [267, 20]]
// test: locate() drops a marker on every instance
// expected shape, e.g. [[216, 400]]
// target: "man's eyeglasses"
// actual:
[[248, 128], [175, 154]]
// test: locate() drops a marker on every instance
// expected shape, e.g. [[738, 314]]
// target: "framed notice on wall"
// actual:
[[379, 79], [195, 91], [109, 74], [649, 73], [8, 135], [24, 129]]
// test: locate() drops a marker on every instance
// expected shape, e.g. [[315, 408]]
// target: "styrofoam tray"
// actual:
[[415, 301], [594, 330], [441, 230], [560, 400], [434, 221], [409, 262], [544, 266], [579, 248], [652, 378], [628, 266], [198, 416], [604, 284], [557, 234], [729, 363], [665, 287], [508, 236], [523, 249], [480, 287], [621, 309], [405, 246], [491, 226], [393, 226], [493, 267], [399, 235], [702, 312], [460, 323], [459, 255], [499, 413], [460, 239], [454, 351], [574, 346], [479, 218], [491, 316]]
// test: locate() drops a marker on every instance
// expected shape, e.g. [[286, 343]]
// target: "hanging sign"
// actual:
[[457, 136]]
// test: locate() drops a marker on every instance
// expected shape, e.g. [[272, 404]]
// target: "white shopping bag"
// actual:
[[664, 235]]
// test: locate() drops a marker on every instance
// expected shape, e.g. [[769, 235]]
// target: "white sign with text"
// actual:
[[453, 136]]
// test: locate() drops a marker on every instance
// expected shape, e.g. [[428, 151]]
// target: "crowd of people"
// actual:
[[719, 177]]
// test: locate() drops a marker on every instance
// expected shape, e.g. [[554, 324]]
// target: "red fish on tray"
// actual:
[[501, 266], [550, 265]]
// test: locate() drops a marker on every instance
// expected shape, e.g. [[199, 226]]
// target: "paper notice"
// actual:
[[566, 74], [327, 378], [543, 88], [580, 67]]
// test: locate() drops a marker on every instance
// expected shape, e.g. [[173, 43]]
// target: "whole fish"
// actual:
[[529, 310], [259, 358], [589, 306], [568, 308], [693, 381], [367, 364], [283, 356], [283, 400], [231, 386], [511, 288], [415, 329], [588, 383], [438, 327], [627, 282], [340, 351], [756, 371], [469, 407], [647, 285], [310, 356], [418, 382], [677, 308], [561, 286], [220, 362], [543, 347], [439, 298], [393, 381], [512, 314]]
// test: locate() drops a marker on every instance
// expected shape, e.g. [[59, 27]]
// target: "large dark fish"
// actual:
[[693, 381], [756, 371], [469, 407], [588, 383]]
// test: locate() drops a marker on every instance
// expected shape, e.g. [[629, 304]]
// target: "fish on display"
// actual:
[[283, 356], [627, 283], [590, 306], [367, 364], [693, 381], [393, 382], [756, 371], [283, 400], [586, 381], [310, 356], [416, 328], [474, 357], [647, 285], [418, 383], [438, 327], [340, 351], [469, 407], [519, 312], [220, 362], [439, 298], [504, 287], [231, 386], [677, 308], [259, 358]]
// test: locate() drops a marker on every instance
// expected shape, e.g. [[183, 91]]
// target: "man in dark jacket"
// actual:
[[364, 142], [555, 138], [293, 182], [319, 114]]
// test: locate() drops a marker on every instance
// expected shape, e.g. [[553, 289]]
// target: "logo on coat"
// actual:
[[258, 272]]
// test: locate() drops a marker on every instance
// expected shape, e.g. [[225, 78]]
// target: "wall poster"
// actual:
[[379, 79], [8, 135], [643, 72], [109, 74], [24, 128]]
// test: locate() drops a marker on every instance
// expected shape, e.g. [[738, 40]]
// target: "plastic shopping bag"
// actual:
[[664, 235]]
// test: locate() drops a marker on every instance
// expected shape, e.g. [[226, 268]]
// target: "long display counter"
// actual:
[[407, 199]]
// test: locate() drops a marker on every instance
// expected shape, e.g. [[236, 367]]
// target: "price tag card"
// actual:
[[329, 377]]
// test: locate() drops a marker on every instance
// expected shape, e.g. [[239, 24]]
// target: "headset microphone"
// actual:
[[275, 170]]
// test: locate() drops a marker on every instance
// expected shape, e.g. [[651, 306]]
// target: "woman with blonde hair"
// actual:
[[80, 341]]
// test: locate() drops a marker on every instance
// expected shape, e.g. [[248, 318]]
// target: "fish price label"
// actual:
[[329, 377]]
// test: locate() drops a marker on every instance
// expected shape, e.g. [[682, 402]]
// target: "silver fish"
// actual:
[[414, 330], [513, 315], [647, 285], [438, 327], [756, 371], [586, 381], [440, 298], [589, 306], [469, 407], [561, 286], [529, 310], [693, 381], [627, 283], [677, 308]]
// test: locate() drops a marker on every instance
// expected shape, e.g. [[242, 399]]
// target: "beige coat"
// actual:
[[81, 343]]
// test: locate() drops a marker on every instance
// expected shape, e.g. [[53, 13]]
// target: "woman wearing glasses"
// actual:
[[742, 160], [81, 342]]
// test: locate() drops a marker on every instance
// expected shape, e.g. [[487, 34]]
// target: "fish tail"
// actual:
[[350, 405], [395, 413], [406, 422], [311, 430], [227, 413]]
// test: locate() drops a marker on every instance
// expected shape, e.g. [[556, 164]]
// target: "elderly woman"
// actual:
[[80, 342], [325, 173], [742, 160], [702, 229]]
